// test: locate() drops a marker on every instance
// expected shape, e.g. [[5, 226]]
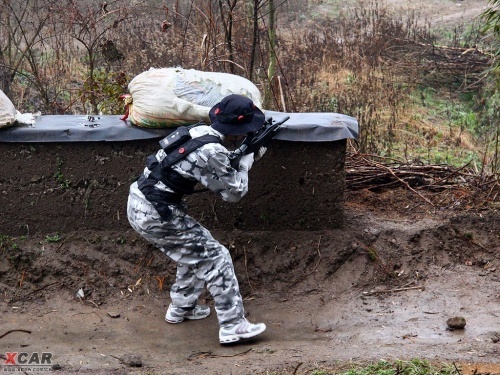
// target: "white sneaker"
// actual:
[[176, 315], [242, 330]]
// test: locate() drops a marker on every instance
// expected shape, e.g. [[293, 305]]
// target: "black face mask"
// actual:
[[232, 142]]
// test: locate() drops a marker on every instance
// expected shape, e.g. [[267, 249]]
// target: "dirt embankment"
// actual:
[[382, 286]]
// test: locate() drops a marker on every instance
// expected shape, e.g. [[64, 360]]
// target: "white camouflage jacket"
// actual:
[[210, 166]]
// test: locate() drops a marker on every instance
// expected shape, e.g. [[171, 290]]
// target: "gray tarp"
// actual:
[[306, 127]]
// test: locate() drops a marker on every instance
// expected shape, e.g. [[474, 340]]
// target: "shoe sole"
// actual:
[[174, 321], [180, 320], [235, 338]]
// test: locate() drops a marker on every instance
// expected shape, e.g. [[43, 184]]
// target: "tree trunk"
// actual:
[[271, 71], [5, 77], [255, 39]]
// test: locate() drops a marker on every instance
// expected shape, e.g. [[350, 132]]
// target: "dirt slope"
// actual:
[[381, 287]]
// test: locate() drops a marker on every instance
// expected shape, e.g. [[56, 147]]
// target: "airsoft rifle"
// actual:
[[261, 138]]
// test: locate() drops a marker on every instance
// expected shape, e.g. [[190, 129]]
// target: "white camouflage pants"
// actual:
[[201, 259]]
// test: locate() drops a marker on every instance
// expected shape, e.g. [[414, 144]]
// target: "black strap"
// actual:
[[185, 149], [163, 172]]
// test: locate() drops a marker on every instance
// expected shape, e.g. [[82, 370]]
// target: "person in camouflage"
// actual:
[[157, 212]]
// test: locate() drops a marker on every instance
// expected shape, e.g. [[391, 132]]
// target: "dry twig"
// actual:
[[209, 354], [394, 290], [14, 330], [372, 172]]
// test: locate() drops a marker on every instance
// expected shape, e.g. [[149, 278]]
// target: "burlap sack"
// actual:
[[171, 97], [7, 111]]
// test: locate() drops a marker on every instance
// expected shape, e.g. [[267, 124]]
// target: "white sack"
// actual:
[[7, 111], [171, 97]]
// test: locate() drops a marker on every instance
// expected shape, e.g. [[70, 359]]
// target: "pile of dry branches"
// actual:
[[374, 172], [443, 65]]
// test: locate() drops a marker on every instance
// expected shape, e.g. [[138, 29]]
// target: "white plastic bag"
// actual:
[[7, 111], [171, 97]]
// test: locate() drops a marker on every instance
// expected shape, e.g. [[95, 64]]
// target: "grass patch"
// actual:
[[412, 367], [438, 129], [384, 367]]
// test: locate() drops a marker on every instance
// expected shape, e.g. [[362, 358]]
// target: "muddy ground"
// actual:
[[382, 286]]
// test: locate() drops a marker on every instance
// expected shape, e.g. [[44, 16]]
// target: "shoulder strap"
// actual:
[[177, 137], [186, 148]]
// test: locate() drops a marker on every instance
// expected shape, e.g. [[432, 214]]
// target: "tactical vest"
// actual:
[[177, 146]]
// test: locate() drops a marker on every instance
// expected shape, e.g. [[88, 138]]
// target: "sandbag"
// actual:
[[7, 111], [171, 97]]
